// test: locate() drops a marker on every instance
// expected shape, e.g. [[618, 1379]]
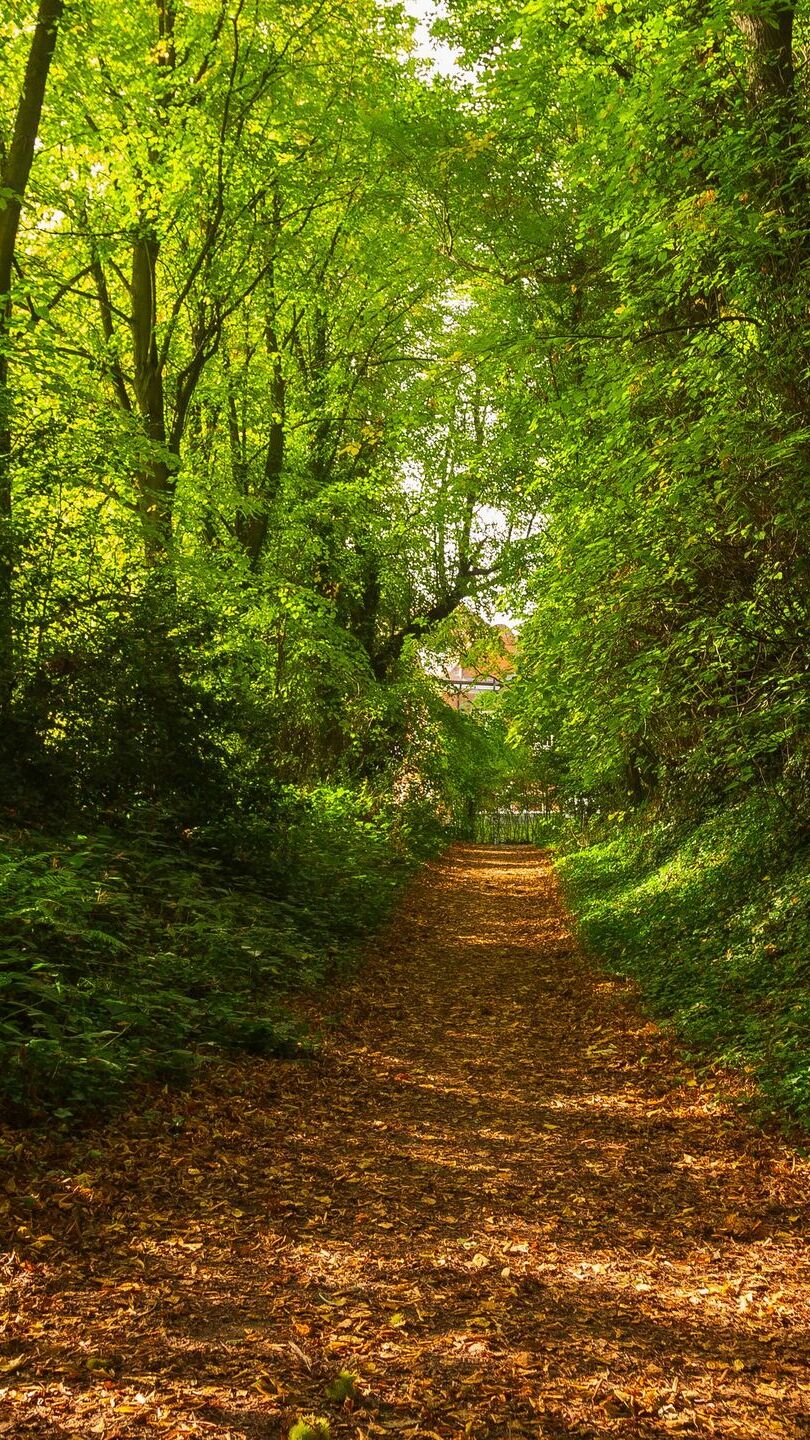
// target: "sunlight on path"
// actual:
[[497, 1197]]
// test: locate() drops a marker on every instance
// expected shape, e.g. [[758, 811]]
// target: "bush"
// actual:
[[129, 955]]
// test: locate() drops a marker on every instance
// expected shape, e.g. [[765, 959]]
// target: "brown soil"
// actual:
[[497, 1196]]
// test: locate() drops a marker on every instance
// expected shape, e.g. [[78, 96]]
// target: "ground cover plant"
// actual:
[[133, 955], [713, 921]]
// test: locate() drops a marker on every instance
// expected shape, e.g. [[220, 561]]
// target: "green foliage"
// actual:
[[310, 1427], [129, 955], [344, 1387], [640, 184], [242, 479], [714, 923], [307, 358]]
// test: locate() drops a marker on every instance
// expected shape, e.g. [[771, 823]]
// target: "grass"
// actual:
[[714, 924]]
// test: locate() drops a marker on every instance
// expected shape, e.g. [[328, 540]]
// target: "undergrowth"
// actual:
[[130, 953], [713, 921]]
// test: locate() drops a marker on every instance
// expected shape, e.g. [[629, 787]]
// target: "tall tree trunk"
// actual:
[[770, 39], [772, 94], [16, 168], [155, 480], [779, 178], [321, 441], [252, 529]]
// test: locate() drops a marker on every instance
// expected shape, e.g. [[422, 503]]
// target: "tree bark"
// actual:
[[252, 529], [155, 482], [772, 94], [770, 39], [13, 183]]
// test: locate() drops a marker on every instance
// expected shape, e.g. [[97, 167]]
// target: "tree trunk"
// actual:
[[772, 94], [770, 39], [779, 178], [251, 530], [13, 183], [155, 481]]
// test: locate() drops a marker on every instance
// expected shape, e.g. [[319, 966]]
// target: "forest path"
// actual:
[[497, 1195]]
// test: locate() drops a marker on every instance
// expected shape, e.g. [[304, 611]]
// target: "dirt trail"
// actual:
[[497, 1196]]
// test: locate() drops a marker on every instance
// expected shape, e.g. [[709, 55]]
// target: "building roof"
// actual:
[[483, 669]]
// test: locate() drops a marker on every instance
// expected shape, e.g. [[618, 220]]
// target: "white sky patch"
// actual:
[[442, 58], [51, 220], [413, 475]]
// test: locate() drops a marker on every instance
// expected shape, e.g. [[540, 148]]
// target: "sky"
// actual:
[[440, 55]]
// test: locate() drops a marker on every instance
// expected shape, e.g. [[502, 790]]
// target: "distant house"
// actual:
[[483, 671]]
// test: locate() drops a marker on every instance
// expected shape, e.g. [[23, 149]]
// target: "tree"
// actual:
[[16, 158], [656, 252]]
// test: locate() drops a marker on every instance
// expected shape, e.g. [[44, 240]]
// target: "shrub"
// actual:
[[130, 955]]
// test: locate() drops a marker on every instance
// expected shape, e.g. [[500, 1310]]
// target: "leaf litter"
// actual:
[[497, 1203]]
